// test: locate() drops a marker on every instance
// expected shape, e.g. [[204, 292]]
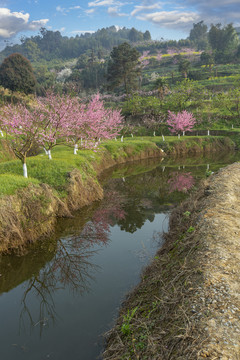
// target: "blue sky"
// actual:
[[164, 19]]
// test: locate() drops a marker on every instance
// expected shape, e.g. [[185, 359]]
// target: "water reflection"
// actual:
[[181, 182], [71, 267], [65, 269]]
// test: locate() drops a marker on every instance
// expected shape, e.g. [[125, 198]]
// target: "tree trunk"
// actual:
[[75, 149], [49, 155], [24, 168]]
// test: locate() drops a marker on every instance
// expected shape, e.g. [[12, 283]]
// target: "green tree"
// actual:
[[135, 35], [16, 74], [147, 36], [123, 68], [184, 66], [208, 60], [224, 42], [229, 105], [198, 35]]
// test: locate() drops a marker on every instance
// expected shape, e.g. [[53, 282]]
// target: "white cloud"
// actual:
[[140, 8], [61, 10], [12, 23], [171, 19], [104, 3], [75, 7], [90, 11], [114, 12]]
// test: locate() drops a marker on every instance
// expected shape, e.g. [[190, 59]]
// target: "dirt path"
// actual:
[[219, 227], [187, 305]]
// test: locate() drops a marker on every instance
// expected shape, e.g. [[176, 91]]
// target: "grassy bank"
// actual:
[[29, 207]]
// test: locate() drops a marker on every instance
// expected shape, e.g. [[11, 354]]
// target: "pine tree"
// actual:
[[124, 68]]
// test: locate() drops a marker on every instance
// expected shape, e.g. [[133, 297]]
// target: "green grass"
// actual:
[[10, 183]]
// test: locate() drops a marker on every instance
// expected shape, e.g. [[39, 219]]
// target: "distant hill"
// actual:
[[49, 45]]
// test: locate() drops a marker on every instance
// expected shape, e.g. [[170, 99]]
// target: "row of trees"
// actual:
[[50, 45], [222, 42], [56, 120]]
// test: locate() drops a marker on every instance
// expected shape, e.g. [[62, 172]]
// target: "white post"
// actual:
[[122, 139], [179, 168], [208, 132], [179, 136], [49, 155], [183, 133], [25, 170], [163, 137], [123, 179], [1, 133], [154, 134], [75, 149], [232, 126], [163, 169], [132, 135]]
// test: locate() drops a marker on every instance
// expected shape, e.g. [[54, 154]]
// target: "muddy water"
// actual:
[[60, 296]]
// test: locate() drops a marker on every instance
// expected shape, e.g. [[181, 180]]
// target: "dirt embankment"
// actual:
[[193, 146], [187, 305]]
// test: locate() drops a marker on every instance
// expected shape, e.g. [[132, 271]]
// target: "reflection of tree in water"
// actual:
[[71, 266], [110, 210], [180, 182]]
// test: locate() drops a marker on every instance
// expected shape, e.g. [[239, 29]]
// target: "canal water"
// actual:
[[63, 293]]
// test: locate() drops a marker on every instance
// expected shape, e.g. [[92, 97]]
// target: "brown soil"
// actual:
[[187, 305]]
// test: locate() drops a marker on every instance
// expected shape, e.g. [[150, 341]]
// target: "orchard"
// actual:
[[58, 120]]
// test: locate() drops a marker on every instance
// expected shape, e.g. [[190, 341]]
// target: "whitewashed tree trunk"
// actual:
[[208, 132], [122, 139], [232, 126], [154, 133], [49, 155], [75, 149], [179, 136], [207, 167], [115, 139], [132, 135], [25, 170], [1, 133], [183, 133], [163, 169], [45, 150], [163, 137]]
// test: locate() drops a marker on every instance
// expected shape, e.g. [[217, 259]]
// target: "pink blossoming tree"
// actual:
[[59, 112], [180, 122], [22, 128], [91, 123]]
